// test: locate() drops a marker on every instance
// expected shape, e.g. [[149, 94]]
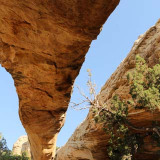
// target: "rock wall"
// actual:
[[43, 45], [21, 146], [89, 142]]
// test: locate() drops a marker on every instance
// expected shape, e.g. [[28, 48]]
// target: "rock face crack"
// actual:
[[49, 95], [43, 45]]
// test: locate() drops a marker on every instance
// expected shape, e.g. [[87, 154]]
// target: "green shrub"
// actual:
[[144, 85]]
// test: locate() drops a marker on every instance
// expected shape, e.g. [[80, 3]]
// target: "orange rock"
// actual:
[[43, 45]]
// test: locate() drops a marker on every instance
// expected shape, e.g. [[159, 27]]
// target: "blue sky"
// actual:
[[130, 19]]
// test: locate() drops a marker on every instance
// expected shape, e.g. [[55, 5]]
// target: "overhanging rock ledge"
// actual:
[[43, 45]]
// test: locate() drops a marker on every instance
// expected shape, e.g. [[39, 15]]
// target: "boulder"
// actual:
[[21, 146]]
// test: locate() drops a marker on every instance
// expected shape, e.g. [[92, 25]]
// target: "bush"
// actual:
[[144, 85]]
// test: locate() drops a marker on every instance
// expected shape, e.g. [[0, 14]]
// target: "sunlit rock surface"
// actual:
[[89, 142], [21, 146], [43, 45]]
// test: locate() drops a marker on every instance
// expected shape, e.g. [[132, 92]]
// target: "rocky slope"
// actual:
[[89, 142], [43, 45], [21, 146]]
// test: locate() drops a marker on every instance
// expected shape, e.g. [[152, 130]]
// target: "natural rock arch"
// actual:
[[43, 45]]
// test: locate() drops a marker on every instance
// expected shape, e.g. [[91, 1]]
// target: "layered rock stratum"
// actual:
[[21, 146], [43, 45], [89, 141]]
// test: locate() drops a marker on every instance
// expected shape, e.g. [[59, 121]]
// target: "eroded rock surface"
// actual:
[[21, 146], [89, 142], [43, 45]]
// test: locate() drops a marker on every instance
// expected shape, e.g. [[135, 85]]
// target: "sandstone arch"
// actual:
[[43, 45]]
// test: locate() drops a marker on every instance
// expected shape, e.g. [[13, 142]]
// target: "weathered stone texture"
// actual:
[[21, 146], [89, 142], [43, 45]]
